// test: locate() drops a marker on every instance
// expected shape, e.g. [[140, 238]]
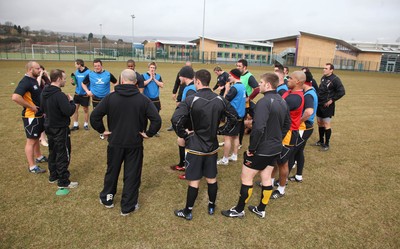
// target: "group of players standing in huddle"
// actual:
[[279, 123]]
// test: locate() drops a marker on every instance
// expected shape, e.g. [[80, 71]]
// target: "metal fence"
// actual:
[[123, 51]]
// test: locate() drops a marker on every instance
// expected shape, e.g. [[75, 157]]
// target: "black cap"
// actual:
[[235, 73], [187, 72]]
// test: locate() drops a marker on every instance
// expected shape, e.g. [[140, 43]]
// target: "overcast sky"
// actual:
[[359, 20]]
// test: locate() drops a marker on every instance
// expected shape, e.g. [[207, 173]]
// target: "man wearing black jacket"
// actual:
[[270, 124], [204, 111], [330, 90], [58, 108], [127, 112]]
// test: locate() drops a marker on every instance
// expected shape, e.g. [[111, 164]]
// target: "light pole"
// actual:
[[202, 39], [133, 22], [101, 37]]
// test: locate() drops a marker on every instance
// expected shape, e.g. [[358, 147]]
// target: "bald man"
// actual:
[[27, 94], [294, 98], [127, 112]]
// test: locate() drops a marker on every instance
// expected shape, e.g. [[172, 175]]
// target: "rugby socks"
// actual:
[[321, 131], [212, 194], [328, 133], [76, 124], [272, 181], [266, 192], [40, 158], [32, 167], [245, 194], [85, 124], [190, 199], [181, 156], [281, 189]]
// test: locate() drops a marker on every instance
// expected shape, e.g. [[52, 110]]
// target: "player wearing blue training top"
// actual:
[[237, 97], [80, 97], [186, 75], [98, 81], [152, 84]]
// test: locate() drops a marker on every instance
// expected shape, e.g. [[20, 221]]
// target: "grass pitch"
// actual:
[[349, 197]]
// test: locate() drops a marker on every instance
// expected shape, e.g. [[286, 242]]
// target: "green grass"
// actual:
[[349, 197]]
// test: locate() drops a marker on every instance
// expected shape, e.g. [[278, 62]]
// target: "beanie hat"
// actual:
[[309, 77], [235, 73], [187, 72]]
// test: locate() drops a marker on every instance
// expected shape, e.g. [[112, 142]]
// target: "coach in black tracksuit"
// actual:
[[127, 112], [58, 108]]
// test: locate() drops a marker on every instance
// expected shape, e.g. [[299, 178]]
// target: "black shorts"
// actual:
[[157, 103], [82, 100], [326, 112], [236, 130], [306, 134], [95, 101], [286, 153], [33, 127], [259, 162], [198, 166]]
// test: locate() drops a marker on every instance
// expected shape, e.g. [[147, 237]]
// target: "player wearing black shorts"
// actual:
[[80, 97], [203, 111], [131, 64], [271, 123], [178, 89], [27, 95], [223, 82], [330, 90], [306, 128], [294, 98]]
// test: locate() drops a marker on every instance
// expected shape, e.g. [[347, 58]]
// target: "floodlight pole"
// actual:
[[101, 37], [133, 25], [202, 38]]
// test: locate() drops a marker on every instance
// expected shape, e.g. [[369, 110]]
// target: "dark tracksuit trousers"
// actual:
[[133, 161], [59, 154]]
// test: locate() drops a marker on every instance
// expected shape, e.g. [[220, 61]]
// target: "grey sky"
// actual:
[[360, 20]]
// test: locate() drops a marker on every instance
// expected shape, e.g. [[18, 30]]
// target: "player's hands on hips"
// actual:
[[106, 133], [143, 134], [249, 153]]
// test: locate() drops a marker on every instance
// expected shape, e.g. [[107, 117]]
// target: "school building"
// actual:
[[170, 50], [217, 50], [312, 50]]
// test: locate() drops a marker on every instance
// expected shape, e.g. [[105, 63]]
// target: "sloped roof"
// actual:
[[339, 41], [170, 42], [253, 43]]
